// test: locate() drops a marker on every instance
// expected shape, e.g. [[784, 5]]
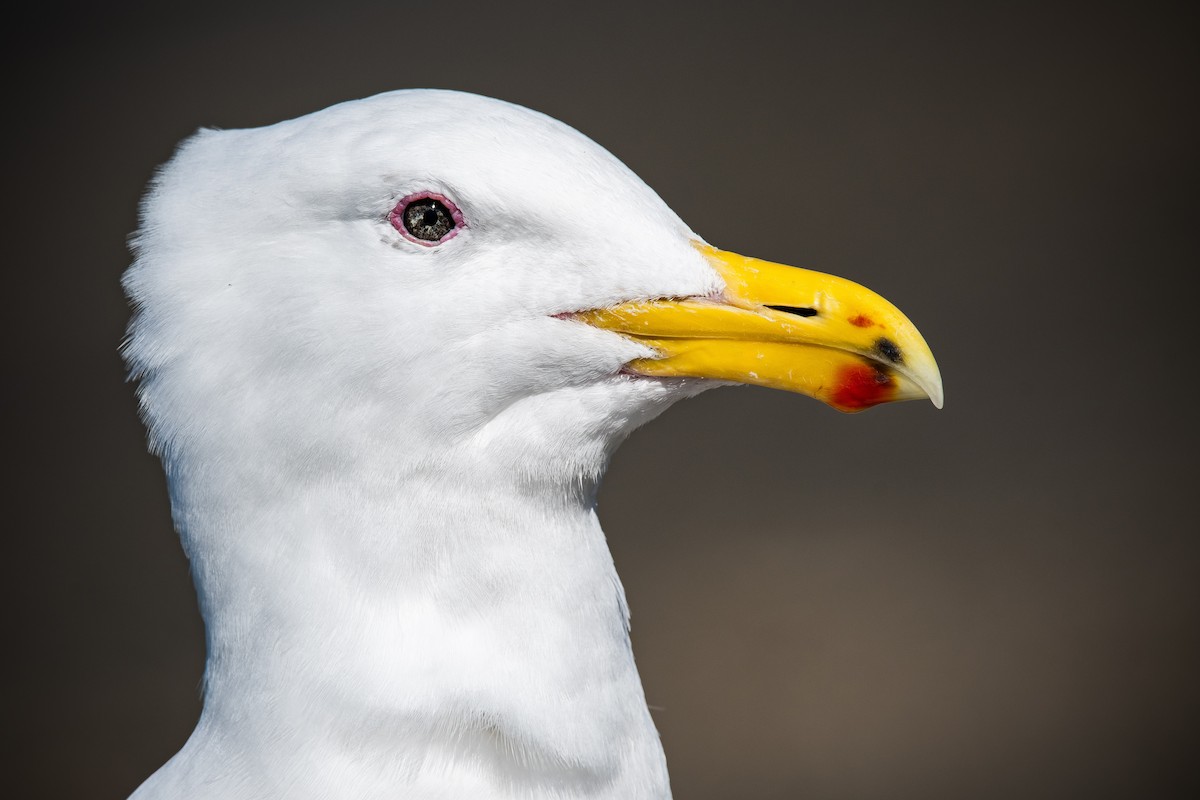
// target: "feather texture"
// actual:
[[383, 457]]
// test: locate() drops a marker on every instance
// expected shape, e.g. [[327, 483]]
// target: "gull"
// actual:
[[385, 352]]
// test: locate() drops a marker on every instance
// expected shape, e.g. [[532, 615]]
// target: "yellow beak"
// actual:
[[785, 328]]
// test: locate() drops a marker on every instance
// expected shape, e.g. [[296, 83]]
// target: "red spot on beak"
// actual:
[[861, 386], [862, 321]]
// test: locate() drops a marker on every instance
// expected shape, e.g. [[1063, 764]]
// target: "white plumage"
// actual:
[[383, 457]]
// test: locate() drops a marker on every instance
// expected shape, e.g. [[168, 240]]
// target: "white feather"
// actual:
[[383, 458]]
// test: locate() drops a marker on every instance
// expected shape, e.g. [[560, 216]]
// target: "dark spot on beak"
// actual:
[[797, 310], [888, 349]]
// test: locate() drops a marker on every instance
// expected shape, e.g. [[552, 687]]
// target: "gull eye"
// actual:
[[426, 218]]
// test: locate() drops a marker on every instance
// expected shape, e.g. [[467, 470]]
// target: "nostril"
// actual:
[[797, 310]]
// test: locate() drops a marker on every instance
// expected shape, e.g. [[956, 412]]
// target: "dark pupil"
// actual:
[[427, 219]]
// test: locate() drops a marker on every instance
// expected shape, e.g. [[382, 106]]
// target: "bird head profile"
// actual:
[[385, 352]]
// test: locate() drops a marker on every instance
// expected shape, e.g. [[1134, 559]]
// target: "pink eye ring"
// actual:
[[426, 218]]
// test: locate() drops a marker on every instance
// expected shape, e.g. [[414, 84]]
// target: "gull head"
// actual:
[[425, 272]]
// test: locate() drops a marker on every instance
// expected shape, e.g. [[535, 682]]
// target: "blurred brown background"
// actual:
[[999, 600]]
